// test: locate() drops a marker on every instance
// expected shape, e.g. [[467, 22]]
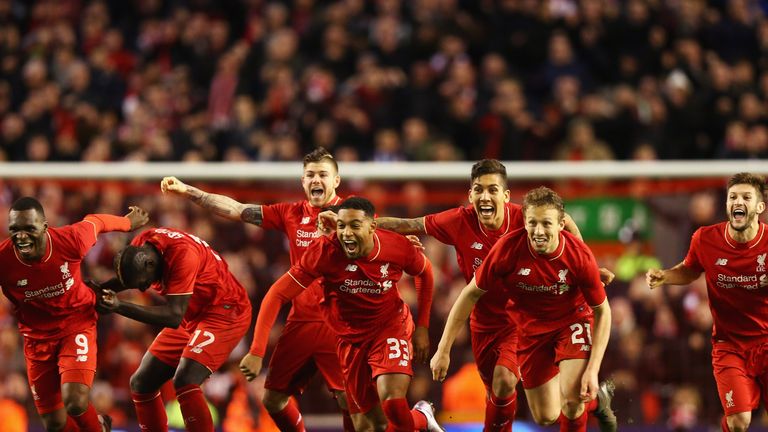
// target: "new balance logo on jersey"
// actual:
[[524, 272], [761, 262], [721, 261], [22, 282], [384, 270], [477, 246], [305, 220], [729, 400], [351, 267]]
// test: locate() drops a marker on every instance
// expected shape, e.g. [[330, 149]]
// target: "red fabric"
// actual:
[[191, 267], [194, 409], [107, 223], [549, 290], [70, 425], [280, 293], [460, 228], [736, 281], [575, 425], [348, 424], [425, 286], [500, 413], [289, 418], [150, 412], [88, 421], [739, 383], [399, 415], [591, 406], [493, 349], [724, 424]]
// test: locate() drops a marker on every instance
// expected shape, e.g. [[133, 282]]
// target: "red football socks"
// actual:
[[349, 425], [70, 426], [500, 412], [194, 409], [401, 418], [150, 412], [573, 425], [591, 406], [724, 425], [289, 418], [88, 421]]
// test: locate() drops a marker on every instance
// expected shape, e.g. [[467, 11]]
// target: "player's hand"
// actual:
[[589, 386], [415, 241], [173, 185], [138, 217], [108, 300], [326, 221], [606, 276], [655, 278], [250, 366], [421, 345], [439, 365]]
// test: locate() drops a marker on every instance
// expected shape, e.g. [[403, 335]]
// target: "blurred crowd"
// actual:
[[384, 80], [659, 353]]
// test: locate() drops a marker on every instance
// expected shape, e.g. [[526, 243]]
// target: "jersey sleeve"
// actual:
[[415, 261], [308, 268], [588, 278], [444, 225], [490, 272], [180, 271], [80, 238], [273, 216], [692, 258]]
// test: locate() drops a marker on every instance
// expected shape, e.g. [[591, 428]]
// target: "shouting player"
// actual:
[[732, 257], [207, 312], [553, 280], [306, 344], [358, 270], [55, 309]]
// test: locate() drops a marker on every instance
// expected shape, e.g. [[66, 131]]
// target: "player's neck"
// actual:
[[495, 224], [746, 235], [327, 202]]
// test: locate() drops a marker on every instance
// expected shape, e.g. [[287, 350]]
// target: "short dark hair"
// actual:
[[754, 180], [359, 203], [488, 166], [28, 203], [543, 196], [131, 262], [320, 154]]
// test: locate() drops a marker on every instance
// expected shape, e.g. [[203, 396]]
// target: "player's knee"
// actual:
[[572, 408], [274, 402], [75, 403], [545, 419], [739, 422], [379, 425], [140, 384], [504, 384], [54, 423]]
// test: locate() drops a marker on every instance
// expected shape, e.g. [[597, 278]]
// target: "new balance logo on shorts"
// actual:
[[721, 261], [82, 358], [351, 267]]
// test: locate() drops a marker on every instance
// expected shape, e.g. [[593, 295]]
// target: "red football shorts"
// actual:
[[51, 363], [387, 352], [304, 348], [741, 376], [541, 353], [497, 348], [209, 343]]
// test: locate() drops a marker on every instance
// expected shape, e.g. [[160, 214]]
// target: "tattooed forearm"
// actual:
[[251, 214], [218, 204], [402, 226]]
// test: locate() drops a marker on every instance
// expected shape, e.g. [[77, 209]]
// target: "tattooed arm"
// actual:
[[402, 226], [219, 204]]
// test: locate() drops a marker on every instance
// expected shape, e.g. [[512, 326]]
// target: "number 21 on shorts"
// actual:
[[580, 331]]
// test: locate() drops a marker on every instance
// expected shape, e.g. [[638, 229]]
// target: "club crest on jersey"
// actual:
[[564, 287], [305, 220], [22, 283], [384, 270], [761, 262], [65, 271]]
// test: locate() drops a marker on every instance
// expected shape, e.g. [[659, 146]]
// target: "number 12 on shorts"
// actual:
[[398, 348], [197, 349], [577, 337]]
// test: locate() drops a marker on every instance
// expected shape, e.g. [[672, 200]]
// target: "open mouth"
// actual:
[[739, 214], [350, 246], [316, 192], [539, 241], [486, 210], [24, 248]]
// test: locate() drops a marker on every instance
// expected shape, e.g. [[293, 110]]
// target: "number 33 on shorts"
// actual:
[[206, 340], [398, 348]]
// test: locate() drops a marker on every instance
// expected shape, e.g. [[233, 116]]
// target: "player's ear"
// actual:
[[760, 207], [336, 181], [507, 194]]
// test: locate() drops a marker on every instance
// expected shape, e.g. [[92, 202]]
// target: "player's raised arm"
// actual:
[[281, 292], [456, 319], [677, 275], [219, 204], [402, 226]]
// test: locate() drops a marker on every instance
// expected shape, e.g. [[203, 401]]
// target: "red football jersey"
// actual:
[[737, 284], [460, 228], [548, 290], [190, 266], [360, 295], [49, 297], [298, 220]]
